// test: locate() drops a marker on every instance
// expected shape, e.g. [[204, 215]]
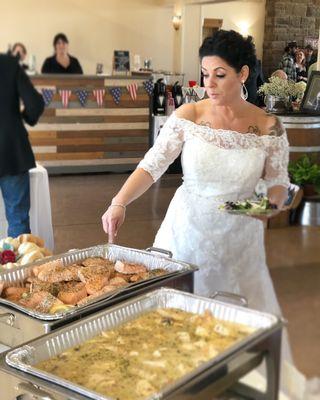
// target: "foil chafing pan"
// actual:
[[25, 358], [17, 277]]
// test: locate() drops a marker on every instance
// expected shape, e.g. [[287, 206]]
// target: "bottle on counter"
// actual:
[[177, 94], [99, 68], [136, 62], [170, 107], [159, 98], [147, 64], [32, 64]]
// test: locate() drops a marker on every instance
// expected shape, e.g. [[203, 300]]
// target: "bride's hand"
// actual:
[[277, 196], [112, 219]]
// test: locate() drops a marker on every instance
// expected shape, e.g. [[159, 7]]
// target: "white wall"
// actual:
[[234, 14], [94, 27], [97, 27], [191, 40]]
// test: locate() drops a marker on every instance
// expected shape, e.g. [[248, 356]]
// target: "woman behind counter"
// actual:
[[61, 62]]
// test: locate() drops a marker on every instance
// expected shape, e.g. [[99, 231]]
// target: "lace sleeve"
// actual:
[[165, 150], [276, 165]]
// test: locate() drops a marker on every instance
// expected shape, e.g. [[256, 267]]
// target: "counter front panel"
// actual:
[[303, 135], [91, 137]]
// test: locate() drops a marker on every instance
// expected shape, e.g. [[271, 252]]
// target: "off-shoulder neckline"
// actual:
[[220, 130]]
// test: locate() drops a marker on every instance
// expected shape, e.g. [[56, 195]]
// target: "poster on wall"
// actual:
[[121, 61]]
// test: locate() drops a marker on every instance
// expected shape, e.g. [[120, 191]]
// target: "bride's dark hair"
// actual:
[[232, 47]]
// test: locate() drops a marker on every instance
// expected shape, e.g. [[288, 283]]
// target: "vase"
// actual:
[[277, 104]]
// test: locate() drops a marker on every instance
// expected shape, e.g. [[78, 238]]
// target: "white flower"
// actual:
[[300, 88], [278, 87]]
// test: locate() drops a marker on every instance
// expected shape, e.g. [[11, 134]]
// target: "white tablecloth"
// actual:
[[40, 210]]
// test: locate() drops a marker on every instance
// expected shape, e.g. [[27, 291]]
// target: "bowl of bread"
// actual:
[[24, 249]]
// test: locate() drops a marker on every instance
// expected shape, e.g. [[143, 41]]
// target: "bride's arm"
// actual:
[[137, 183], [166, 149], [276, 167]]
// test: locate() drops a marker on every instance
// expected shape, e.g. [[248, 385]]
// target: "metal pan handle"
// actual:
[[8, 317], [233, 296], [158, 250], [35, 391]]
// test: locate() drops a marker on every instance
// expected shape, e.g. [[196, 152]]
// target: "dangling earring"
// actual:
[[244, 91]]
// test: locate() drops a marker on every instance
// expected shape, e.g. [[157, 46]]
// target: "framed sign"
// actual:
[[311, 99], [121, 61]]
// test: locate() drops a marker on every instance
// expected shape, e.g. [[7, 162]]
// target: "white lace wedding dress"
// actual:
[[218, 166]]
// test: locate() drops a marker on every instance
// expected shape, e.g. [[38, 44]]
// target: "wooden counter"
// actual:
[[91, 138], [303, 135]]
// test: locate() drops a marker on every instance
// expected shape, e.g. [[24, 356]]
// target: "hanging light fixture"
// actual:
[[176, 21]]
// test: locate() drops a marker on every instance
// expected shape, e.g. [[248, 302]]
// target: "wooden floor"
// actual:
[[293, 253]]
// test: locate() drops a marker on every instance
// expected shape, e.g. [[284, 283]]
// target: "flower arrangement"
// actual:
[[282, 88], [299, 89]]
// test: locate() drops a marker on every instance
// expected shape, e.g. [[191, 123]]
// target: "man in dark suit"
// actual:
[[16, 156]]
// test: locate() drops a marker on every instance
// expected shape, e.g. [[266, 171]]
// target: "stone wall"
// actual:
[[287, 20]]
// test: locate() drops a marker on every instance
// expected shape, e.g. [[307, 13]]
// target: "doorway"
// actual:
[[209, 27]]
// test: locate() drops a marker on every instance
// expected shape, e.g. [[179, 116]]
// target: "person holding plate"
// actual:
[[227, 145]]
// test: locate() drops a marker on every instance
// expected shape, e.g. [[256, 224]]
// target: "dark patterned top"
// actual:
[[287, 64], [51, 66]]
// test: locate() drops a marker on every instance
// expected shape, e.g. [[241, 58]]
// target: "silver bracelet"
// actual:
[[118, 205]]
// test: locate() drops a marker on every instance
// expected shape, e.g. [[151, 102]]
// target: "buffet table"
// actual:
[[94, 126], [40, 210]]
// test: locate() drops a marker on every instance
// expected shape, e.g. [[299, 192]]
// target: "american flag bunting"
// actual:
[[132, 89], [99, 96], [148, 85], [116, 94], [82, 96], [47, 95], [65, 96]]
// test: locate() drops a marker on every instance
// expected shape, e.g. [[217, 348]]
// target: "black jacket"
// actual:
[[254, 81], [16, 155], [51, 66]]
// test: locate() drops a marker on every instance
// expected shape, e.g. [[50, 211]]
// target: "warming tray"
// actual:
[[264, 341], [19, 324]]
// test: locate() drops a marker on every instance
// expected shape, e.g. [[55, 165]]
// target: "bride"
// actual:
[[227, 145]]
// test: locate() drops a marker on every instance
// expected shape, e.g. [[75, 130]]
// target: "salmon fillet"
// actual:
[[53, 274], [104, 290], [40, 301], [36, 285], [72, 292], [95, 278], [14, 293], [139, 277], [97, 262], [118, 282], [51, 264], [127, 268]]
